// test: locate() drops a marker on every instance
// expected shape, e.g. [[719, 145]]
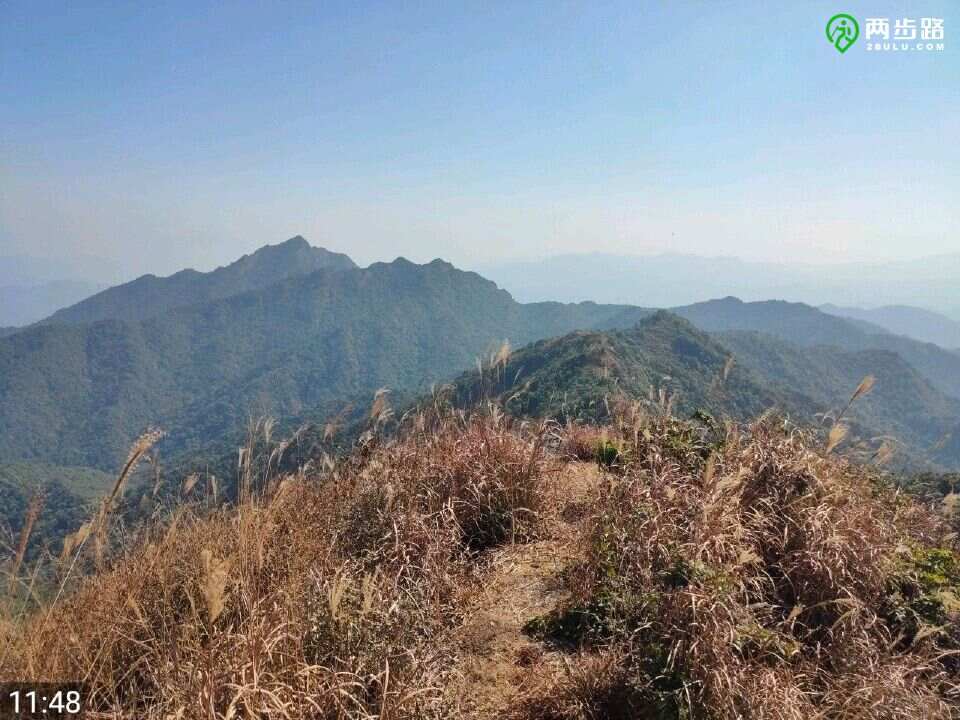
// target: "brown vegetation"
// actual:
[[479, 567], [749, 576], [324, 598]]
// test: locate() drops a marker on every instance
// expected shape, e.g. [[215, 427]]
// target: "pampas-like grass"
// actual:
[[29, 519], [318, 597], [761, 579], [720, 572]]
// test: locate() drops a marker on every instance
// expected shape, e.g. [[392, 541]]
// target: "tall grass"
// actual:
[[720, 572], [754, 577], [34, 507], [321, 596]]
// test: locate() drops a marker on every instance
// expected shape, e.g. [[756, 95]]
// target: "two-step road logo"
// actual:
[[843, 31], [925, 36]]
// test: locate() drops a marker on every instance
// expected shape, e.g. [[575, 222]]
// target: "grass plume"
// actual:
[[717, 571], [29, 520]]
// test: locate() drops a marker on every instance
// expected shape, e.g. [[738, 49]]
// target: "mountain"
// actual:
[[77, 394], [149, 295], [913, 322], [736, 374], [672, 279], [21, 304], [68, 497], [903, 404], [572, 375], [809, 327]]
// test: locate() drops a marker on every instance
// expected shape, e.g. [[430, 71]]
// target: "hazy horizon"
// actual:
[[475, 134], [41, 269], [661, 279]]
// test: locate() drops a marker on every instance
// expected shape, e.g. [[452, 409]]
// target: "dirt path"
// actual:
[[522, 583]]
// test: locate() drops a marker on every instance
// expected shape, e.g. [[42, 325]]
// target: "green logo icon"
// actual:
[[842, 31]]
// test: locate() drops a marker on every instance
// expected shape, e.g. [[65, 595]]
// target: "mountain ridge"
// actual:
[[739, 374], [675, 279], [808, 326], [569, 376], [77, 394], [150, 295], [917, 323]]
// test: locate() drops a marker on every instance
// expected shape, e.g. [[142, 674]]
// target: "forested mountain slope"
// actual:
[[807, 326], [149, 295], [78, 394], [666, 360]]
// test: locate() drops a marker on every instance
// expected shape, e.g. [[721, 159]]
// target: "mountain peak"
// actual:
[[297, 247], [574, 376], [296, 242], [665, 317], [149, 295]]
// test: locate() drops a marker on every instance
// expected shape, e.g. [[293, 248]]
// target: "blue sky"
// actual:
[[187, 134]]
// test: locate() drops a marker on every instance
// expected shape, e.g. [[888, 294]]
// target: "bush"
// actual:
[[751, 578], [607, 453], [324, 598], [580, 442]]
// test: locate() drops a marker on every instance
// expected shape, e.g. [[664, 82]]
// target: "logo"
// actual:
[[907, 34], [842, 31], [901, 35]]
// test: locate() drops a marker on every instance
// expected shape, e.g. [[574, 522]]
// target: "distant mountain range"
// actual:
[[149, 295], [671, 279], [77, 394], [808, 327], [737, 374], [292, 330], [913, 322]]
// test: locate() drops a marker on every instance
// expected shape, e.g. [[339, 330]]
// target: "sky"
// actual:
[[143, 137]]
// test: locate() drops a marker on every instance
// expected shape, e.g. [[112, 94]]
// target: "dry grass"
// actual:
[[323, 598], [30, 518], [757, 578], [722, 572], [582, 442]]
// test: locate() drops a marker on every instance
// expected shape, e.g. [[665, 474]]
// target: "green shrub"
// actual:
[[608, 453]]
